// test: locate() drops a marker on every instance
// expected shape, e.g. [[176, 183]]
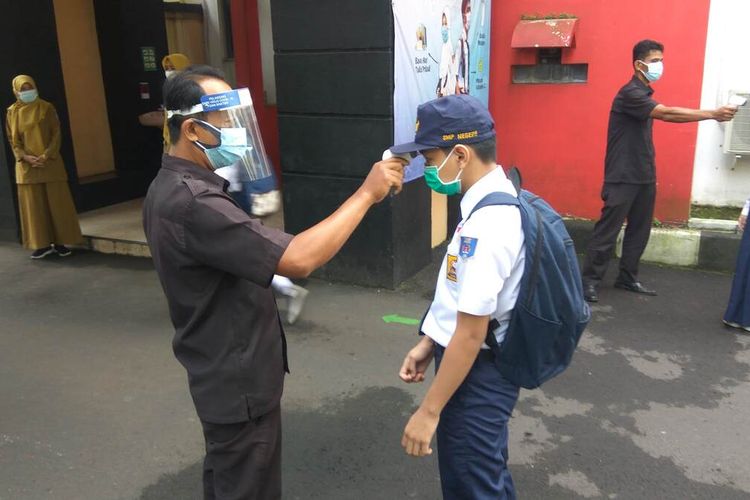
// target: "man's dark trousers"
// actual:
[[631, 202], [243, 460]]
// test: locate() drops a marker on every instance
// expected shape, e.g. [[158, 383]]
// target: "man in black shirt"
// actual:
[[629, 188], [215, 265]]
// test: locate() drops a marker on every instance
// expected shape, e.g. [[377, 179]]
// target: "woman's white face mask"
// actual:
[[28, 96]]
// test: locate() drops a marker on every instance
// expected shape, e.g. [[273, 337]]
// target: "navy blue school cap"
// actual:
[[447, 121]]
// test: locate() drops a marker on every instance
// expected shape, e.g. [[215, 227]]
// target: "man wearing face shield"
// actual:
[[216, 264], [629, 190]]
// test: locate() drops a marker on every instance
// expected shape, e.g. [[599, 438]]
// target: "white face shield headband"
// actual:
[[240, 143]]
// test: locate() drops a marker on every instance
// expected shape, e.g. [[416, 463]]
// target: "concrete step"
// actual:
[[710, 249], [712, 224], [120, 247], [118, 229], [705, 244]]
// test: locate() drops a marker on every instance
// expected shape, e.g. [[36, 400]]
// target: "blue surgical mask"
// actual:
[[655, 70], [444, 32], [28, 96], [232, 145], [434, 182]]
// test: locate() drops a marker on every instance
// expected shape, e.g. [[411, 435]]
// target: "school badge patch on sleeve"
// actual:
[[468, 246], [450, 269]]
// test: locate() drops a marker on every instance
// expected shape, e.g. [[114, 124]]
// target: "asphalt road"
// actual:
[[94, 405]]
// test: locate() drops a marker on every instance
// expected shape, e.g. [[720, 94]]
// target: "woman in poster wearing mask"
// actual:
[[462, 59], [48, 216], [447, 82]]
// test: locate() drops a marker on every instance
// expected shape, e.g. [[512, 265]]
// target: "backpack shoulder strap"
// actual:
[[514, 175], [497, 198]]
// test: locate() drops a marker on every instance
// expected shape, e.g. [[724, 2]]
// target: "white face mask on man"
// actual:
[[654, 71]]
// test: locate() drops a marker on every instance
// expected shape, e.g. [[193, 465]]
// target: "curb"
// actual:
[[695, 248]]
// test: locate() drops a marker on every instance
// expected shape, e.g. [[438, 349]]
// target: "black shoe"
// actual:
[[62, 250], [634, 287], [589, 293], [42, 252]]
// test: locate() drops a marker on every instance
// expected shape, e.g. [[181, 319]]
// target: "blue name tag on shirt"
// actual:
[[468, 246]]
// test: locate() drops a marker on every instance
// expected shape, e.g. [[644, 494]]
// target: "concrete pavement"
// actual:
[[93, 404]]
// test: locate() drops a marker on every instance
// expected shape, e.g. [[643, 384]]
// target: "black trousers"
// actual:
[[243, 460], [631, 202]]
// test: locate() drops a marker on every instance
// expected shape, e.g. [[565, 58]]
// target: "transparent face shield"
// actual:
[[230, 118]]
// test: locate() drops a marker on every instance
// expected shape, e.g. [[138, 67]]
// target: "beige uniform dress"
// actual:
[[47, 212]]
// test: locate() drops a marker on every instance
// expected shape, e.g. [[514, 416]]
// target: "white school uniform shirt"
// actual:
[[482, 269]]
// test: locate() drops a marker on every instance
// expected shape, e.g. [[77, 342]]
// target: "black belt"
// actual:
[[484, 354]]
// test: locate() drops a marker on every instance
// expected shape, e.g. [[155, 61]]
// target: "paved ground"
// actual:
[[94, 406]]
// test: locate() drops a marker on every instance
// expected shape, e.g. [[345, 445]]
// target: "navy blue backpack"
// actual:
[[550, 313]]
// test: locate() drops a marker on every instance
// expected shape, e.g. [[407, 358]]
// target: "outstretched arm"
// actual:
[[685, 115], [312, 248]]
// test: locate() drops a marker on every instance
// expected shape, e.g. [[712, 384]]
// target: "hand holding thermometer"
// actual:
[[388, 154]]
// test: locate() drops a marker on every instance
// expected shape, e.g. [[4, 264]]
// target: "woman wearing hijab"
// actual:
[[737, 314], [171, 63], [174, 62], [48, 216]]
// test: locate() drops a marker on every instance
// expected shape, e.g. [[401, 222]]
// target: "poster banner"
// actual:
[[441, 47]]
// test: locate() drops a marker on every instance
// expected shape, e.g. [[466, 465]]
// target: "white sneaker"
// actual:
[[737, 326], [257, 205], [296, 303], [266, 203], [273, 201]]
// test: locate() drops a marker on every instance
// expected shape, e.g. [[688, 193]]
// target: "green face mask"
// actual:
[[432, 178]]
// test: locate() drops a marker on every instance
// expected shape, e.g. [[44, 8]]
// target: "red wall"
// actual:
[[249, 73], [556, 134]]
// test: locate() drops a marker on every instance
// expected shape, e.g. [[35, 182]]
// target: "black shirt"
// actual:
[[630, 146], [215, 264]]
